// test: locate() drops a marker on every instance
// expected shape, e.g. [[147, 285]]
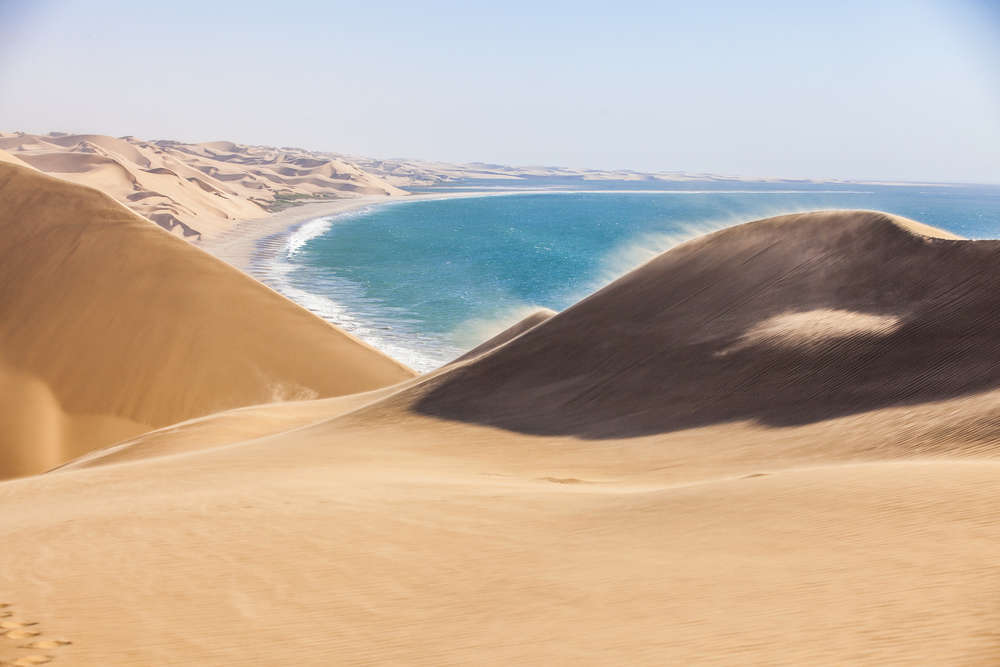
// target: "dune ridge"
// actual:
[[738, 453], [194, 190]]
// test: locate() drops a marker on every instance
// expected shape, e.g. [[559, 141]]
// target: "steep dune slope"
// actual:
[[368, 530], [109, 327]]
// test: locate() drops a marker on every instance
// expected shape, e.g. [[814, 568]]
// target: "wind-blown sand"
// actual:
[[776, 444]]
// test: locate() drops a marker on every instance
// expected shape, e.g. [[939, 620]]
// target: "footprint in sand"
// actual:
[[10, 625], [18, 629], [32, 660], [47, 643], [15, 629]]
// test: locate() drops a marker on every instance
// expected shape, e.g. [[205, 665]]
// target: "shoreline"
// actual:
[[240, 246], [237, 246]]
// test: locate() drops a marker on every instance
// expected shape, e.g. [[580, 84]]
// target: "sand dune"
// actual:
[[194, 190], [111, 327], [789, 456]]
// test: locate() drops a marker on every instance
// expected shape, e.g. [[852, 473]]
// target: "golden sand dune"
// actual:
[[763, 479], [110, 327], [194, 190]]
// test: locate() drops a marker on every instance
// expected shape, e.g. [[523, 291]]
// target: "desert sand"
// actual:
[[776, 444]]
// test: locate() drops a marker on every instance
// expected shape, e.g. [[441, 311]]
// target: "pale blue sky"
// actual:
[[876, 89]]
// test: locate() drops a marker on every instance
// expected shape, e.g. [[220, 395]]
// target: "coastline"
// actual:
[[253, 246], [241, 245], [237, 246]]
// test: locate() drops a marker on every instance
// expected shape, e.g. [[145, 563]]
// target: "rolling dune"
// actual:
[[776, 444]]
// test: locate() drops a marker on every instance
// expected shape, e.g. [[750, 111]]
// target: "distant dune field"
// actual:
[[775, 444], [193, 190]]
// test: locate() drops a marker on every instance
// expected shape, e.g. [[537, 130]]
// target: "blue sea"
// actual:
[[426, 280]]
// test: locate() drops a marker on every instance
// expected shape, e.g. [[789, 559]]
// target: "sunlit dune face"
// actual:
[[813, 328]]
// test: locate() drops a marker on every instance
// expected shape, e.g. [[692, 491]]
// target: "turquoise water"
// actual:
[[425, 280]]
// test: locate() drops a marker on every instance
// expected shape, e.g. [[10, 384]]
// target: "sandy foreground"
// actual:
[[776, 444]]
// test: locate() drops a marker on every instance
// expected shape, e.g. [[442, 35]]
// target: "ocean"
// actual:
[[423, 281]]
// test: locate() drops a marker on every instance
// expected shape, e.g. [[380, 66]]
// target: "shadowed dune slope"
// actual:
[[784, 321], [110, 327]]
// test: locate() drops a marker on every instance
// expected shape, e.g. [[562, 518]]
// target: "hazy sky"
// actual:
[[895, 89]]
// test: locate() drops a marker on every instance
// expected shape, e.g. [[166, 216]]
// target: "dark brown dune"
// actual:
[[784, 321]]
